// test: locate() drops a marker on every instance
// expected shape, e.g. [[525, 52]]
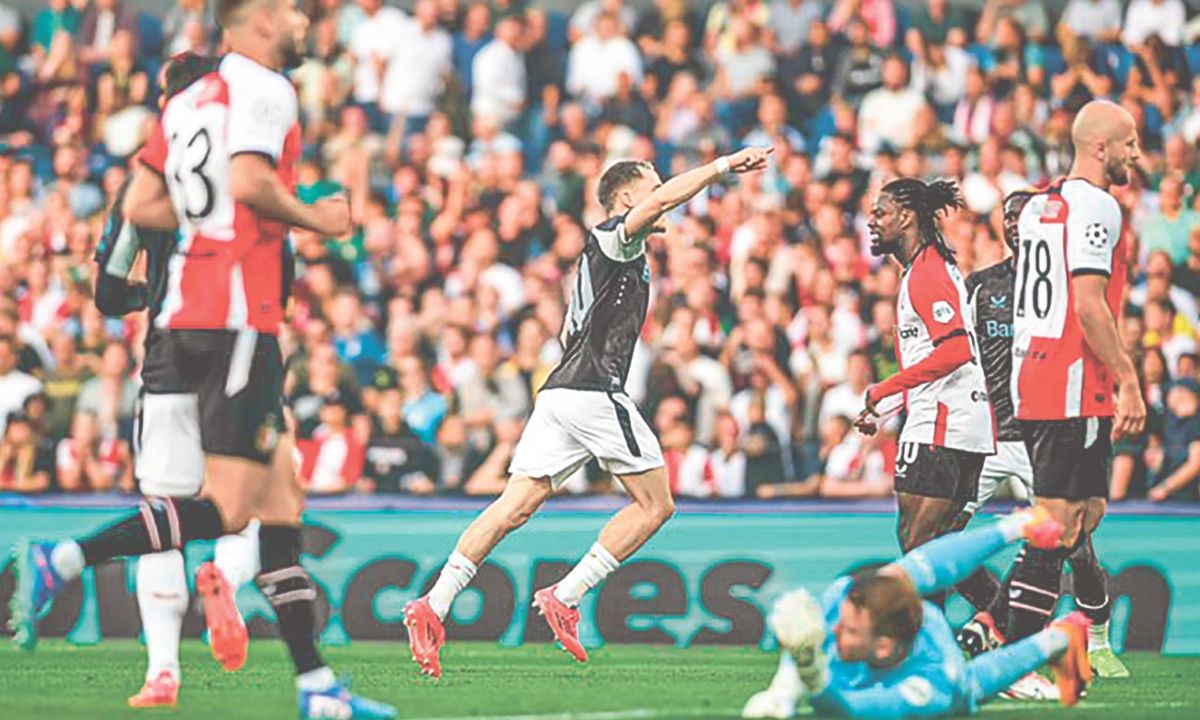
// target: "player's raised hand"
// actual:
[[750, 159], [799, 626], [1131, 411], [332, 215], [865, 423]]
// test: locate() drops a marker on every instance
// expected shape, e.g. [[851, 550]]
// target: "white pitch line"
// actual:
[[641, 714]]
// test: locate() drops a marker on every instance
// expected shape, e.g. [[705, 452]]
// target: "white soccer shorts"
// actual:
[[1009, 465], [169, 459], [569, 427]]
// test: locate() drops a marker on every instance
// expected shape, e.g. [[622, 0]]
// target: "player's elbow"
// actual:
[[244, 187]]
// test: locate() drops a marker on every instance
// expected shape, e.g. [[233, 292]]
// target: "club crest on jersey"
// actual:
[[1096, 236], [646, 272], [942, 312]]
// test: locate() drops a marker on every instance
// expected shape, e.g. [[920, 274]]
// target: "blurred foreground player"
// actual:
[[582, 412], [872, 648], [170, 459], [220, 167]]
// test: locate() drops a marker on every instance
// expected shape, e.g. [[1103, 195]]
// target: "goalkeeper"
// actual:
[[873, 648]]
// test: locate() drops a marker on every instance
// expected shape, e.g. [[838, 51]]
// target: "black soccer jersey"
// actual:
[[608, 307], [116, 253], [991, 296]]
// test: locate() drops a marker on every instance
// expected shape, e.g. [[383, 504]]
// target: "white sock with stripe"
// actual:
[[162, 595], [591, 570], [455, 575]]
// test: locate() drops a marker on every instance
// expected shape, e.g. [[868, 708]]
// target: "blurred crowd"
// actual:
[[469, 137]]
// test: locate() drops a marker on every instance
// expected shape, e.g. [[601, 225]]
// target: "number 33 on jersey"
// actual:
[[227, 273], [1072, 228]]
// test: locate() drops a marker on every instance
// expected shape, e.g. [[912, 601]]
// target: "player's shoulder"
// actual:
[[241, 73], [992, 273], [609, 224], [1084, 197]]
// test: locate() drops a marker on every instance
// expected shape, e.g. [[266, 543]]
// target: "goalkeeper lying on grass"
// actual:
[[872, 648]]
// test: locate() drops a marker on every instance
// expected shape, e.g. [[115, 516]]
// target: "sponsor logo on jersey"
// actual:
[[909, 332], [999, 302], [917, 691], [942, 312], [979, 396], [995, 329], [646, 272]]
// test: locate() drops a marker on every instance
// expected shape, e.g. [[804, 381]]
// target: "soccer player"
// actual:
[[220, 167], [949, 429], [170, 459], [872, 648], [992, 291], [582, 412], [1067, 355]]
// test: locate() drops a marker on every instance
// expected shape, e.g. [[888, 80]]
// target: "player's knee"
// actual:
[[660, 509]]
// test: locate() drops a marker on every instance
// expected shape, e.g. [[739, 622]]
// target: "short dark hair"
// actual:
[[186, 68], [617, 176], [893, 604], [229, 11]]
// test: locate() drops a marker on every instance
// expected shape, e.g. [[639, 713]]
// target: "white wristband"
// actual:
[[723, 165]]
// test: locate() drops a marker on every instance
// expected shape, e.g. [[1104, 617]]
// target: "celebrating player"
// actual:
[[582, 412], [949, 430], [220, 167], [1067, 356], [992, 290], [873, 648], [170, 459]]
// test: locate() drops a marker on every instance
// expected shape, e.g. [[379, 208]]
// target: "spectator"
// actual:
[[99, 26], [627, 108], [1029, 16], [765, 453], [984, 188], [1145, 18], [1097, 20], [675, 55], [687, 465], [332, 459], [356, 341], [25, 464], [1162, 332], [727, 460], [498, 70], [772, 126], [59, 16], [854, 466], [1158, 285], [63, 384], [1170, 228], [424, 409], [791, 22], [584, 17], [703, 381], [940, 71], [187, 27], [320, 377], [88, 462], [598, 59], [1180, 465], [372, 46], [469, 40], [417, 69], [888, 114], [1189, 273], [15, 385], [489, 394], [847, 398], [861, 67], [937, 22], [112, 394], [807, 76], [878, 16], [396, 460]]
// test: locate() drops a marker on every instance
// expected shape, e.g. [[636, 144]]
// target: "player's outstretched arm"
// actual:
[[1100, 331], [941, 563], [684, 186], [253, 182], [147, 201]]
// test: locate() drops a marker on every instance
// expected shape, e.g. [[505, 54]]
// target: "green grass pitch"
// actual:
[[535, 682]]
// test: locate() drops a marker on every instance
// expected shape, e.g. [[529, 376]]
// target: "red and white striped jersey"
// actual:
[[952, 411], [1072, 228], [227, 272]]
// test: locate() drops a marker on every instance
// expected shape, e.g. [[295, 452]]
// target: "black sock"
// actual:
[[291, 592], [1091, 583], [980, 589], [1034, 591], [999, 607], [159, 524]]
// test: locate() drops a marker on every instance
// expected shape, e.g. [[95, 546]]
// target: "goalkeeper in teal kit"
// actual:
[[870, 647]]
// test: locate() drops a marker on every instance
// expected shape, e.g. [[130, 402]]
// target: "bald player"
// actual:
[[1067, 358]]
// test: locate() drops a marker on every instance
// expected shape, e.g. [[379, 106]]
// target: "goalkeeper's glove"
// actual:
[[799, 625]]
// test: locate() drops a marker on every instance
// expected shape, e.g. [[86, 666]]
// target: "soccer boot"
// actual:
[[227, 635], [563, 621], [1106, 664], [1031, 687], [162, 691], [1072, 671], [979, 635], [426, 636], [38, 583], [338, 702]]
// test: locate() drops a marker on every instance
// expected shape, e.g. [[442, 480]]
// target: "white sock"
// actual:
[[162, 594], [1098, 636], [67, 559], [455, 576], [786, 682], [237, 556], [316, 680], [594, 567]]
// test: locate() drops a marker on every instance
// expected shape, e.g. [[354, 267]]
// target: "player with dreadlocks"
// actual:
[[949, 429]]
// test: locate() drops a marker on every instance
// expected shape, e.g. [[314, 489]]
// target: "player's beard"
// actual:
[[881, 247], [1118, 174], [291, 52]]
